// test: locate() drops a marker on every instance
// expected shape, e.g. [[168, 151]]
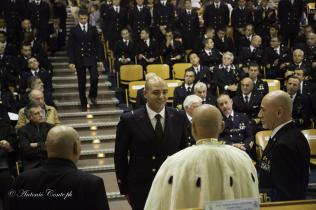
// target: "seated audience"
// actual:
[[32, 137], [238, 130], [221, 172], [251, 53], [275, 57], [49, 113], [172, 50], [307, 88], [36, 70], [284, 166], [247, 102], [8, 147], [190, 103], [227, 75], [147, 49], [200, 90], [260, 87], [124, 50], [181, 92], [209, 56], [59, 177], [35, 83], [301, 109]]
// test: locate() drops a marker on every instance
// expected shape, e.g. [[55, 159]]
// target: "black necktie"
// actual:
[[246, 99], [158, 129], [189, 89], [231, 118], [84, 28]]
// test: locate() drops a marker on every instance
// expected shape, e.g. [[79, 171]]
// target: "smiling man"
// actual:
[[144, 139], [284, 166]]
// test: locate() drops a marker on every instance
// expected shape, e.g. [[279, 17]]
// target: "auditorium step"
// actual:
[[73, 78]]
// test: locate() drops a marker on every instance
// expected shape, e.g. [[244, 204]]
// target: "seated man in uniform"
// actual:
[[260, 87], [247, 102], [238, 131], [181, 92], [32, 137], [209, 171], [301, 112], [190, 103], [200, 90]]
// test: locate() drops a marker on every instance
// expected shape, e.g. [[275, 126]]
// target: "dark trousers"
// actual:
[[5, 183], [82, 79], [138, 193]]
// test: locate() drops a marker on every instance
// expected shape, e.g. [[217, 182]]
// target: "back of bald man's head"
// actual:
[[63, 142], [208, 121], [282, 100]]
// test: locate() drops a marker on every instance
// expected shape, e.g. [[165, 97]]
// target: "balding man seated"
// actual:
[[58, 184], [284, 166], [209, 171], [49, 113]]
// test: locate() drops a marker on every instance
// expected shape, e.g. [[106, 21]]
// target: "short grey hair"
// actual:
[[199, 85], [228, 54], [191, 99]]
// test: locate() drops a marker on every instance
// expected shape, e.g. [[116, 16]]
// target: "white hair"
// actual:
[[191, 99], [199, 85]]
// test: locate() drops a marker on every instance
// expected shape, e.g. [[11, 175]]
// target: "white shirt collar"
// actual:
[[231, 114], [152, 113], [278, 128], [85, 25], [249, 95], [252, 48], [186, 86], [189, 117]]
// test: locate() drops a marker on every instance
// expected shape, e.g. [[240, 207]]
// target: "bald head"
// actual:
[[63, 142], [207, 122], [276, 109]]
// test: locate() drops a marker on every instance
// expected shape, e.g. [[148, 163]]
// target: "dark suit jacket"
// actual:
[[39, 16], [238, 131], [114, 23], [151, 51], [189, 28], [85, 191], [252, 108], [246, 56], [213, 59], [284, 167], [223, 46], [223, 78], [139, 20], [180, 93], [301, 112], [135, 138], [261, 87], [216, 17], [84, 49], [163, 15], [289, 16], [240, 18], [140, 99], [191, 140], [32, 157]]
